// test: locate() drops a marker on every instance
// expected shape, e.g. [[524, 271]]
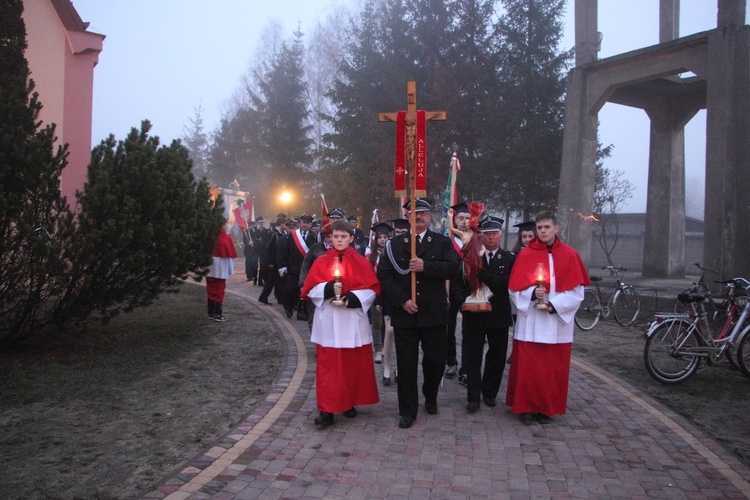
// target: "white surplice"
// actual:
[[339, 326], [534, 325]]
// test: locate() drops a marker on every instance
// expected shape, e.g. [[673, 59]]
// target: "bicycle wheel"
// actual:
[[733, 359], [626, 305], [590, 311], [743, 351], [667, 352]]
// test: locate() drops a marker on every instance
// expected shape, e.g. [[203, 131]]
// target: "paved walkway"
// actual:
[[614, 442]]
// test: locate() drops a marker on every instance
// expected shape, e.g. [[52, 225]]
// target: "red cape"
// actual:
[[224, 246], [356, 272], [569, 269]]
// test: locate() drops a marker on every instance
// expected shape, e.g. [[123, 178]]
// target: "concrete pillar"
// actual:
[[669, 20], [664, 241], [587, 35], [727, 212], [576, 195], [731, 14]]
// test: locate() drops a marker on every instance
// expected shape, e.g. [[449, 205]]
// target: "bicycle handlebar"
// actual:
[[614, 269], [740, 282], [704, 269]]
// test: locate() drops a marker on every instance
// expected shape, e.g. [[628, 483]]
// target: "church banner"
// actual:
[[420, 183]]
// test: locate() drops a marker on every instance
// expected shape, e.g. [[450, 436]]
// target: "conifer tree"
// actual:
[[375, 69], [145, 224], [196, 141], [529, 120], [282, 104]]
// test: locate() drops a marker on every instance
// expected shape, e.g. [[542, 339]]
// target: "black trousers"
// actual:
[[434, 341], [251, 266], [485, 384], [269, 285], [452, 320]]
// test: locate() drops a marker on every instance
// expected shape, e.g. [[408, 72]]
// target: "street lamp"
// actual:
[[285, 198]]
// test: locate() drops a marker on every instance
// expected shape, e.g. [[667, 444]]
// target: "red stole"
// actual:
[[356, 272], [569, 269], [224, 246]]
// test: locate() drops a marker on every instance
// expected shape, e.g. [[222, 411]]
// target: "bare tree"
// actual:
[[695, 198], [324, 51], [612, 190]]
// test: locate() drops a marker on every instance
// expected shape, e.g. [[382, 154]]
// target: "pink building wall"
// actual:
[[61, 56]]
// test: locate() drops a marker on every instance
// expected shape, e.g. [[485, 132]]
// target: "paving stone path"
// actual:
[[614, 442]]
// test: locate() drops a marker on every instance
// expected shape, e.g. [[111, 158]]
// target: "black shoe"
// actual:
[[289, 314], [324, 420], [264, 301], [472, 406], [351, 413], [543, 419], [526, 418], [405, 422], [463, 379], [451, 371], [431, 407], [386, 381], [490, 402], [302, 317]]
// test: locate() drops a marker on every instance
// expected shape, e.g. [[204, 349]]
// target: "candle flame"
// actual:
[[540, 272]]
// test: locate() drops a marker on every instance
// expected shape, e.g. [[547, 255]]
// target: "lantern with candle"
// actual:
[[541, 277], [337, 279]]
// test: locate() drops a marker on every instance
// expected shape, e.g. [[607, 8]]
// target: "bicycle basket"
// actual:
[[691, 297]]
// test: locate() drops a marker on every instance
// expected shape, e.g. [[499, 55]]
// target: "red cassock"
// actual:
[[540, 369], [345, 373]]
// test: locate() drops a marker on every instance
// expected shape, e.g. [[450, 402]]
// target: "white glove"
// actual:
[[282, 272]]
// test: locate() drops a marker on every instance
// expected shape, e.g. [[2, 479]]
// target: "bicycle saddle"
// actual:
[[595, 278]]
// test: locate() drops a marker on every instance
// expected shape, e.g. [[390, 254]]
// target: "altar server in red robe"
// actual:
[[345, 373], [543, 337], [218, 274]]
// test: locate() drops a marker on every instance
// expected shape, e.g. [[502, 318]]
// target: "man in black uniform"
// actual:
[[491, 326], [335, 214], [271, 274], [424, 321], [251, 262], [292, 253], [255, 239]]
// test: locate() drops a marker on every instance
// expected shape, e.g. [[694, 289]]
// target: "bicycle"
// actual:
[[678, 344], [715, 313], [698, 287], [623, 302]]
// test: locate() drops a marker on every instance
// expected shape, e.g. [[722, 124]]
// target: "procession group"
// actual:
[[362, 295]]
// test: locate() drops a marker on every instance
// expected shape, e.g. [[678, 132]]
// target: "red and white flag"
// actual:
[[243, 214]]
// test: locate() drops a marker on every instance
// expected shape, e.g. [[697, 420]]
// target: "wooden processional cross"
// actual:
[[414, 158]]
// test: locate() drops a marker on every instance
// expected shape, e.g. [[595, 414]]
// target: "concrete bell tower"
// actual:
[[718, 64]]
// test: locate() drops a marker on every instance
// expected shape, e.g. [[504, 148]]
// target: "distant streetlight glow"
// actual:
[[285, 197]]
